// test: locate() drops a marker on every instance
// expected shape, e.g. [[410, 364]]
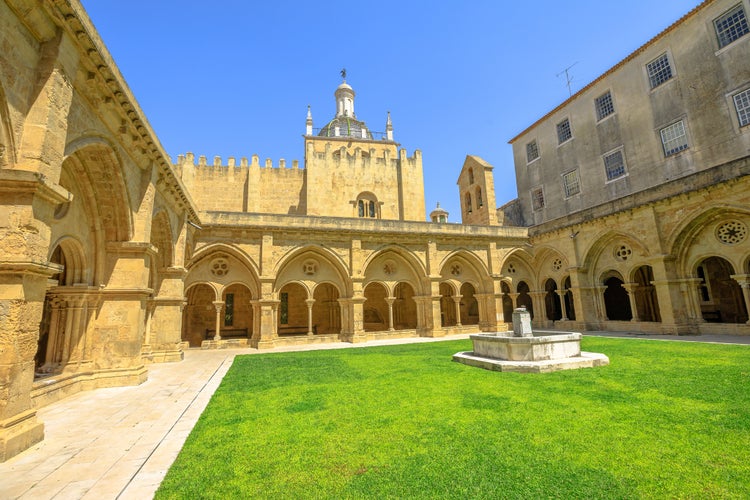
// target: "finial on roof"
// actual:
[[343, 74]]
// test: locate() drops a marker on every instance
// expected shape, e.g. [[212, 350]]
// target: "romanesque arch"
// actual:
[[376, 310]]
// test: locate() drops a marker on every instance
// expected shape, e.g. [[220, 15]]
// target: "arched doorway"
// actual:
[[469, 305], [507, 303], [569, 303], [552, 301], [720, 295], [404, 307], [616, 301], [199, 315], [447, 306], [646, 302], [326, 311], [238, 312], [524, 299], [293, 312], [375, 308]]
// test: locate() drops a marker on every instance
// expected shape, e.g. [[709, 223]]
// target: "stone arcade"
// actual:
[[632, 213]]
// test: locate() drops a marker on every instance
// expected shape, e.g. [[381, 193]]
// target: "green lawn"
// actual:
[[664, 420]]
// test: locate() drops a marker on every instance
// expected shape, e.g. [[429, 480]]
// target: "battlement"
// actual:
[[363, 156], [188, 159]]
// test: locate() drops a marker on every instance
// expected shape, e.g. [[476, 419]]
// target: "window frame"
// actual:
[[536, 149], [565, 120], [670, 65], [624, 164], [597, 107], [722, 42], [673, 151], [746, 110], [566, 186], [543, 204]]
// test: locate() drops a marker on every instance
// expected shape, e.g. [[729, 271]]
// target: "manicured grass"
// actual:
[[664, 420]]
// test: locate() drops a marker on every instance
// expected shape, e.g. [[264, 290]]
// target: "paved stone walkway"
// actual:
[[120, 442]]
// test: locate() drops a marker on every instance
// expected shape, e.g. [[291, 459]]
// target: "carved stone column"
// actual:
[[561, 294], [390, 301], [219, 306], [457, 302], [630, 288], [309, 303], [744, 282]]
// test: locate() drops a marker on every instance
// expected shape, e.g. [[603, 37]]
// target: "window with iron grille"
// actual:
[[563, 131], [572, 183], [731, 26], [537, 199], [604, 106], [614, 165], [532, 151], [674, 138], [742, 105], [659, 70]]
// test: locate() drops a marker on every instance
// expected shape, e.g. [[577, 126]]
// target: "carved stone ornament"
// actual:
[[456, 269], [557, 264], [310, 267], [219, 267], [389, 267], [731, 232], [623, 252], [511, 269]]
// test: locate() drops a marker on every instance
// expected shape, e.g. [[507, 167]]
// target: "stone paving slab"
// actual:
[[120, 442]]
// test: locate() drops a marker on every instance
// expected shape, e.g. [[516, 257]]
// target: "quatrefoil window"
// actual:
[[623, 252], [456, 269]]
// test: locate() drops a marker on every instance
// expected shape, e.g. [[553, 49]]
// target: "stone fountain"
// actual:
[[523, 351]]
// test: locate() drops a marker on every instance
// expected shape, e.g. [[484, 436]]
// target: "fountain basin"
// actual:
[[530, 354]]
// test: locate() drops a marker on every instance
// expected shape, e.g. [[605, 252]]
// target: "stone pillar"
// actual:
[[358, 319], [457, 302], [514, 297], [267, 331], [483, 300], [744, 282], [166, 319], [630, 288], [389, 301], [561, 294], [309, 303], [540, 307], [219, 306], [601, 309]]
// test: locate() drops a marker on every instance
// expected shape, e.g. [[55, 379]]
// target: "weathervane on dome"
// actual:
[[343, 73]]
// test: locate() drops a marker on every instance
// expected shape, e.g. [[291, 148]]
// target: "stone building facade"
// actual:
[[112, 257], [636, 189]]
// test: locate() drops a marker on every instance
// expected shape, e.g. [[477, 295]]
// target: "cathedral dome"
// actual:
[[345, 126]]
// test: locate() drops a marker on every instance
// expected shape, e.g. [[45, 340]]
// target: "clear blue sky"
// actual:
[[234, 78]]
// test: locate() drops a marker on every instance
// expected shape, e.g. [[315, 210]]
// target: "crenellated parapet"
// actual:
[[188, 159], [346, 155]]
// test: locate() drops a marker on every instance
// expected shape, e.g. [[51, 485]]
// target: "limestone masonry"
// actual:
[[632, 214]]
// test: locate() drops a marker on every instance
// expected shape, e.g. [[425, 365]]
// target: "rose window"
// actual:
[[731, 232]]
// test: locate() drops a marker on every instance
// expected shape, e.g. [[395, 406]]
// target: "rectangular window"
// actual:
[[742, 105], [659, 70], [229, 310], [731, 26], [614, 165], [571, 183], [537, 199], [604, 106], [532, 151], [674, 138], [284, 309], [563, 131]]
